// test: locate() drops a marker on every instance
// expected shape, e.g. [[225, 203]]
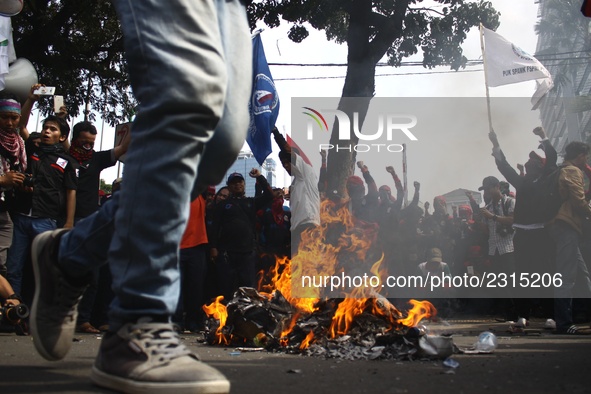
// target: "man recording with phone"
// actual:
[[13, 162]]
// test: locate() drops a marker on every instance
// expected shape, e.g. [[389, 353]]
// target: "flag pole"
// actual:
[[257, 32], [490, 128], [404, 175]]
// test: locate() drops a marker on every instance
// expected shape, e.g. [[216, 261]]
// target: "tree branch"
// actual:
[[387, 30], [426, 9]]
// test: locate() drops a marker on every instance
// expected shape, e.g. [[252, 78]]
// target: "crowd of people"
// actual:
[[515, 233], [49, 181], [232, 240], [511, 233]]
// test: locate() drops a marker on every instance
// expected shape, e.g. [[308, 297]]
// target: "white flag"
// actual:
[[506, 63]]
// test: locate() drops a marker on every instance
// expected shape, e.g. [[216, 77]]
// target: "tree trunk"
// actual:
[[357, 93]]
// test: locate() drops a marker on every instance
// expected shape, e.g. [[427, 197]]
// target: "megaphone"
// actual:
[[21, 76], [10, 7]]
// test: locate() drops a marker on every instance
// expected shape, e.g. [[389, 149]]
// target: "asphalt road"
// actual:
[[538, 362]]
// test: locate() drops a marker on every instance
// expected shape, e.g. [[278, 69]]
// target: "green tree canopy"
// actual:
[[77, 46]]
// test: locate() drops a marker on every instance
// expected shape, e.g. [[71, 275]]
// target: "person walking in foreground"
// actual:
[[190, 67]]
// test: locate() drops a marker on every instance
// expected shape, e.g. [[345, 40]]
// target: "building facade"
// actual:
[[458, 197], [563, 47]]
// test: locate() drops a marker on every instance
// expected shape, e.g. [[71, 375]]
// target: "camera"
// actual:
[[12, 314], [29, 180], [504, 231]]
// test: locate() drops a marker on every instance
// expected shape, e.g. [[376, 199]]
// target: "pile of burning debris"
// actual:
[[284, 316], [376, 331]]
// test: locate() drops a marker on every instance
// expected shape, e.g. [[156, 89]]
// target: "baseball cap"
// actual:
[[354, 180], [435, 255], [489, 181], [233, 176]]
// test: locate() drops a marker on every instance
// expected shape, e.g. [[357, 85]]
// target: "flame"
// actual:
[[306, 342], [283, 340], [281, 279], [318, 255], [218, 311], [345, 314], [420, 310]]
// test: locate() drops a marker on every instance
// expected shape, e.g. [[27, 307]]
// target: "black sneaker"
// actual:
[[54, 311], [147, 357]]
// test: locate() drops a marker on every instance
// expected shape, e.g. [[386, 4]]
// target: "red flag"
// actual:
[[293, 144], [586, 8]]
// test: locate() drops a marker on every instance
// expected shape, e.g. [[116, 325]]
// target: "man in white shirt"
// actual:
[[304, 196]]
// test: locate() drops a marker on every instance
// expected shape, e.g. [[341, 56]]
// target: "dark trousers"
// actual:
[[88, 298], [535, 252], [505, 263], [193, 264], [104, 296], [571, 266], [235, 269]]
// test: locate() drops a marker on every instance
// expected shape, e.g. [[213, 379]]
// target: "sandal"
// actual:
[[87, 328]]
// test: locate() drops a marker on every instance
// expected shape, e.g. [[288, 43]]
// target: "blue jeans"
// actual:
[[6, 231], [190, 68], [26, 228], [570, 264]]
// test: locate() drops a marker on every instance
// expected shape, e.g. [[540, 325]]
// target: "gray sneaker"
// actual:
[[54, 311], [147, 357]]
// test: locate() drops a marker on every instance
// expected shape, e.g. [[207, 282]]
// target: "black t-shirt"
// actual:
[[87, 198], [52, 174]]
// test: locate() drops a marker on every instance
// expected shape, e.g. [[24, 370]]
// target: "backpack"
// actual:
[[549, 200]]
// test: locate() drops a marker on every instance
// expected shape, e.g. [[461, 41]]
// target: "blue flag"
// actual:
[[264, 104]]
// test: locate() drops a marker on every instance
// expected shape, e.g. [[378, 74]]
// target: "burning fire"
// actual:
[[420, 310], [306, 342], [322, 253], [218, 311], [345, 315], [288, 329]]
